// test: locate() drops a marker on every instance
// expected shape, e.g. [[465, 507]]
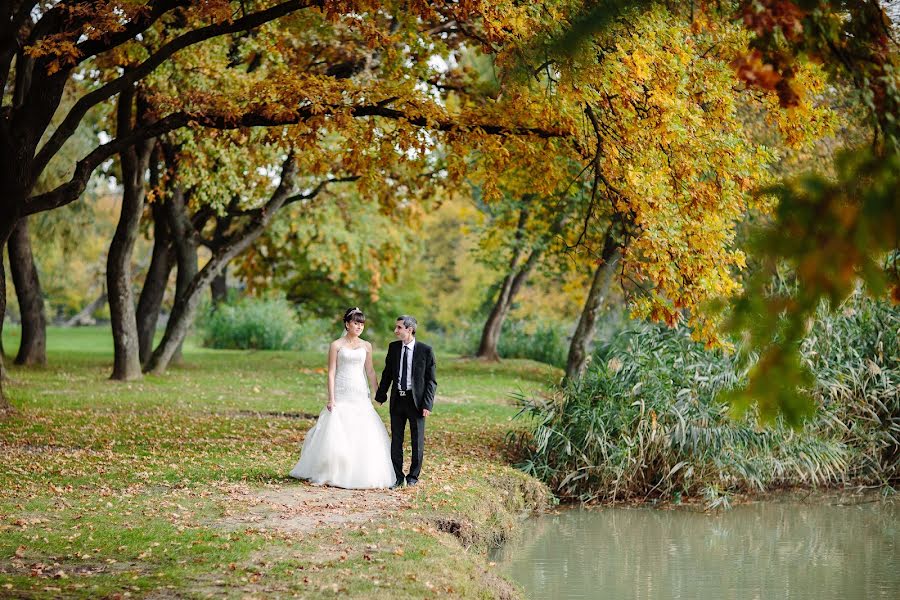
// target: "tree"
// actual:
[[40, 53], [23, 267], [38, 59], [538, 228], [670, 163], [855, 212], [833, 229], [134, 161], [337, 249]]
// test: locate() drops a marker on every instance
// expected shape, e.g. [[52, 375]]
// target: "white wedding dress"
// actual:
[[348, 447]]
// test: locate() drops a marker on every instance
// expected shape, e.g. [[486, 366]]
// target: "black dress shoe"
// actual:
[[397, 484], [411, 482]]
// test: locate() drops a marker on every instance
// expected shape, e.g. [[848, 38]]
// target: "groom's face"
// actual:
[[403, 334]]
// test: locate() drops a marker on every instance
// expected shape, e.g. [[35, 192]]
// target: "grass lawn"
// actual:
[[177, 485]]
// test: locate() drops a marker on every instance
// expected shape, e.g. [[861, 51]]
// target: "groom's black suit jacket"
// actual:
[[424, 381]]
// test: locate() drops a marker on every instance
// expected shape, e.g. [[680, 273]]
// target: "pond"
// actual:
[[830, 547]]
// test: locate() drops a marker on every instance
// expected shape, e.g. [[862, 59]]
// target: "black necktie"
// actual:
[[402, 385]]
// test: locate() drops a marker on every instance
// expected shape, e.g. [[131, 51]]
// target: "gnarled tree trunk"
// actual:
[[33, 346], [134, 161], [584, 331]]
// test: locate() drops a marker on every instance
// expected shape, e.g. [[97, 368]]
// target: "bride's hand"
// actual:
[[330, 405]]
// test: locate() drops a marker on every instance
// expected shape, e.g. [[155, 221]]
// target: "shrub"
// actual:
[[645, 421], [261, 324], [461, 340], [543, 342]]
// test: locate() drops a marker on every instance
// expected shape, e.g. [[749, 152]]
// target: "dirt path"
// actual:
[[302, 507]]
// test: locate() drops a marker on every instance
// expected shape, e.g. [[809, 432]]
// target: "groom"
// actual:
[[409, 372]]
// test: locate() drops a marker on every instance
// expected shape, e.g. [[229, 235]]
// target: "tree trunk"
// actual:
[[518, 274], [5, 406], [185, 308], [218, 289], [184, 240], [134, 161], [490, 335], [7, 223], [512, 283], [33, 346], [584, 331], [154, 289]]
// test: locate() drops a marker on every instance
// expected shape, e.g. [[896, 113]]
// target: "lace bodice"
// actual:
[[350, 376]]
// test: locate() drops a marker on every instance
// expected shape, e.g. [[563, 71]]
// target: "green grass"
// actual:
[[113, 488]]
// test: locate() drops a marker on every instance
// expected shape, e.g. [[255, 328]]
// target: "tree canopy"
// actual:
[[649, 130]]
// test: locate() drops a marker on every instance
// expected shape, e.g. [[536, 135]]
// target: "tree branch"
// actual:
[[67, 128], [12, 17], [69, 191], [275, 202], [147, 16], [320, 187]]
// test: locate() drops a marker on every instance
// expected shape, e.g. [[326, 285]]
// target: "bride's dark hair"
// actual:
[[354, 315]]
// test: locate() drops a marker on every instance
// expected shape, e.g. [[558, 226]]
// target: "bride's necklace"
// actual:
[[352, 345]]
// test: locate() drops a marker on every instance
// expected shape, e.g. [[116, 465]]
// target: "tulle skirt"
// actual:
[[348, 447]]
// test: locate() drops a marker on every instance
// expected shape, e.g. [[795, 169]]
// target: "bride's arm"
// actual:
[[332, 366], [370, 370]]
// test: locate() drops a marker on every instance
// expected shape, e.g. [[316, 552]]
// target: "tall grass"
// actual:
[[855, 357], [646, 422]]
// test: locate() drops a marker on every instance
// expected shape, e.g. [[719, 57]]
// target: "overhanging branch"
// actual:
[[72, 189], [67, 128], [147, 16]]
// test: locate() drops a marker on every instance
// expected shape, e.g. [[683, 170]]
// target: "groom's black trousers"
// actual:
[[404, 410]]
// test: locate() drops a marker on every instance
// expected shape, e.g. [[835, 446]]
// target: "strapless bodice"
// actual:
[[350, 376]]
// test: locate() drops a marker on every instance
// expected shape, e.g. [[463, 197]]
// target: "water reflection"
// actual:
[[759, 551]]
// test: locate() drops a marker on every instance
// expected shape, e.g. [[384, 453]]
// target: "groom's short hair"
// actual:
[[408, 322]]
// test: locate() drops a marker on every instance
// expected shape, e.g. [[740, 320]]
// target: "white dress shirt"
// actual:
[[407, 385]]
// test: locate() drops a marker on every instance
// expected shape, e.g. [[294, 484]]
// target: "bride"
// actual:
[[348, 447]]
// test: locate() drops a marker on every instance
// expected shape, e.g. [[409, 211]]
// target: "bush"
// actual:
[[261, 324], [462, 340], [646, 422], [544, 342]]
